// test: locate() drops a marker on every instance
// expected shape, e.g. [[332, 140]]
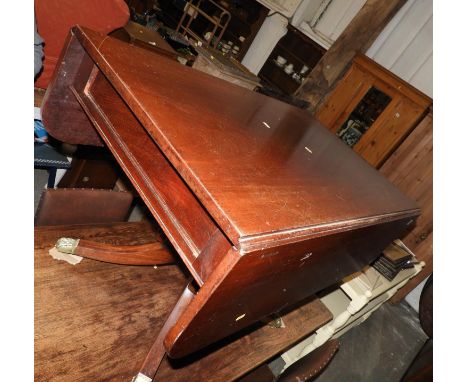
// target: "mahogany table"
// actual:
[[263, 205]]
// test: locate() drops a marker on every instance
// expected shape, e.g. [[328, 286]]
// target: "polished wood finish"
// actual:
[[96, 321], [265, 281], [263, 204], [144, 254], [406, 108], [157, 352], [358, 36], [258, 165], [174, 206], [410, 169], [72, 126]]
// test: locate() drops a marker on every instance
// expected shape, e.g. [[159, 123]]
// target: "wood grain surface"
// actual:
[[410, 169], [405, 110], [241, 152], [96, 321], [144, 254], [72, 126]]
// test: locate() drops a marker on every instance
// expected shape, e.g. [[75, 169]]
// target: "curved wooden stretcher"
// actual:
[[145, 254]]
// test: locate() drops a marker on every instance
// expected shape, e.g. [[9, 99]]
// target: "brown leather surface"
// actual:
[[304, 369], [82, 206], [260, 374], [311, 365]]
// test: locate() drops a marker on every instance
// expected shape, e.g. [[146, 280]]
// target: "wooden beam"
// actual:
[[357, 37]]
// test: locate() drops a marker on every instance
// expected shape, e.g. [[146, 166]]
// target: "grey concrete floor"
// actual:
[[380, 349]]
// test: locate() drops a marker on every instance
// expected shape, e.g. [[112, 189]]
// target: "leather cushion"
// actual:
[[310, 365]]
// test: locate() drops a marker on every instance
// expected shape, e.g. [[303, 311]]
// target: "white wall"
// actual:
[[405, 45], [324, 20]]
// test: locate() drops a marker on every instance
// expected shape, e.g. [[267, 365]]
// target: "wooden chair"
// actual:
[[82, 206], [305, 369]]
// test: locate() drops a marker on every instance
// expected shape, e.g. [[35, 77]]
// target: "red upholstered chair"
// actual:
[[55, 18]]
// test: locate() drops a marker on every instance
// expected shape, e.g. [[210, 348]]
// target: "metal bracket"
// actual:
[[67, 245], [275, 321]]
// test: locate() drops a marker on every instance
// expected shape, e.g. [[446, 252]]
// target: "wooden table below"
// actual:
[[96, 321]]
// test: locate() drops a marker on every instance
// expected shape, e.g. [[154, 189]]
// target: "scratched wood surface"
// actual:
[[241, 152]]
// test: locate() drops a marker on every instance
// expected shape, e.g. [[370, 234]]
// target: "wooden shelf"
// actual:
[[238, 25], [298, 50], [276, 75]]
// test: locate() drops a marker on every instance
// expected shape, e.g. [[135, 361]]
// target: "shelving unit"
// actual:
[[298, 50], [219, 18], [247, 17]]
